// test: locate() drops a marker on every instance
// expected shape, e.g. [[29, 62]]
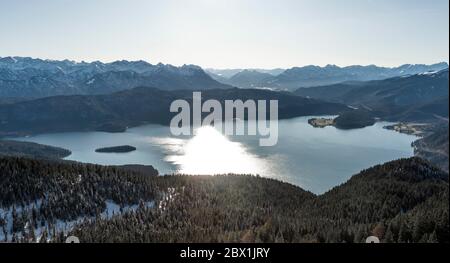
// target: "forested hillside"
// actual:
[[401, 201], [419, 98], [434, 147], [30, 149], [114, 112]]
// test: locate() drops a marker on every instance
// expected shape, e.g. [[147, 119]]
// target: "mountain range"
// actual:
[[309, 76], [25, 77], [29, 77], [420, 97]]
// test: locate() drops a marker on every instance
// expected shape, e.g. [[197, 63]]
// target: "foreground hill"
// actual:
[[400, 201], [25, 77], [422, 97], [115, 112]]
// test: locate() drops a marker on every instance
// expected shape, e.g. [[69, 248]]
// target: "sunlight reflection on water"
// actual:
[[210, 152]]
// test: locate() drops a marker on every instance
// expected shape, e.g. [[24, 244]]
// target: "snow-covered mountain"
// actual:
[[310, 76], [30, 77]]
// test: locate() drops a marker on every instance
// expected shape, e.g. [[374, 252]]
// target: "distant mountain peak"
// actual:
[[8, 60]]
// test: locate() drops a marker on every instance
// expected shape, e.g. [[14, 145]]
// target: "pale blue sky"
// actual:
[[229, 33]]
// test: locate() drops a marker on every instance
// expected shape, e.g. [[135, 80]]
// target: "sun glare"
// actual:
[[210, 152]]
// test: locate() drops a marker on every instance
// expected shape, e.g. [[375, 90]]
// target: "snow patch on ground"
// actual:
[[112, 209], [428, 73], [168, 197]]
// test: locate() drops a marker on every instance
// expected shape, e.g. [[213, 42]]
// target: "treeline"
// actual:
[[400, 201]]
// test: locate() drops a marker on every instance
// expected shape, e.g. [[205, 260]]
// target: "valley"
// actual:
[[314, 159], [85, 150]]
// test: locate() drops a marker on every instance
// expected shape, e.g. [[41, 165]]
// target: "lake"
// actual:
[[315, 159]]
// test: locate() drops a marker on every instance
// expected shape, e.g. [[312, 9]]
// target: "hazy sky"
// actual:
[[229, 33]]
